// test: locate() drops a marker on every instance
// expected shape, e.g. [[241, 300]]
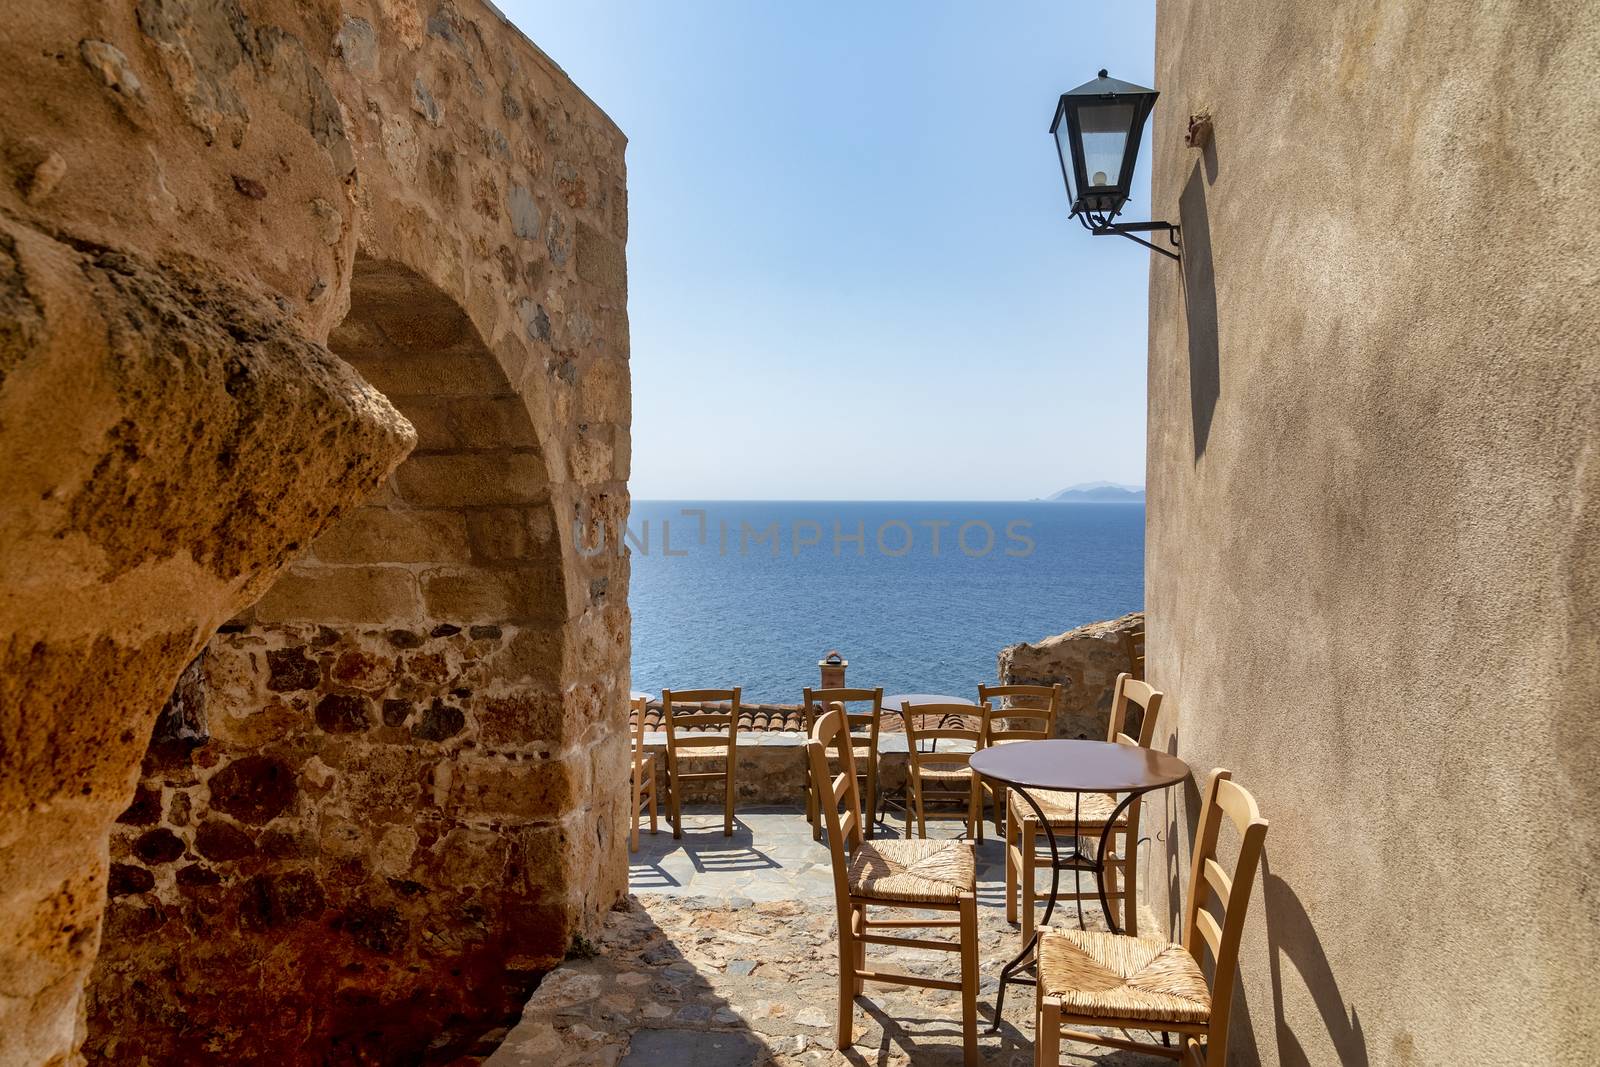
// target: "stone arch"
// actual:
[[382, 831], [465, 532]]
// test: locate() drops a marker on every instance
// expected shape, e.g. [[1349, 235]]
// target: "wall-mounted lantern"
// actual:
[[1097, 130]]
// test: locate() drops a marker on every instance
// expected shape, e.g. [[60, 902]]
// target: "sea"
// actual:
[[917, 596]]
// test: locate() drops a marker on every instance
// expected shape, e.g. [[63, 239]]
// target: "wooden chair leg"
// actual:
[[859, 986], [969, 980], [975, 811], [1029, 833], [1046, 1033], [872, 794], [637, 794], [655, 783], [847, 986], [674, 804], [727, 800], [813, 812], [1130, 883], [1011, 869], [922, 816]]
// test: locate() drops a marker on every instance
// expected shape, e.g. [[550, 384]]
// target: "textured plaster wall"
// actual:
[[197, 194], [1374, 511]]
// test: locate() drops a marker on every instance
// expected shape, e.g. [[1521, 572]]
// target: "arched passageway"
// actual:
[[364, 839]]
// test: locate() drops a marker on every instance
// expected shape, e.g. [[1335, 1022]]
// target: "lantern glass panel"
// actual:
[[1105, 141], [1064, 149]]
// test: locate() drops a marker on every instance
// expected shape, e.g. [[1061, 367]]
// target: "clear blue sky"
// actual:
[[850, 271]]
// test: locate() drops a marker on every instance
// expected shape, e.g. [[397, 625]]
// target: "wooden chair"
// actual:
[[1028, 714], [948, 772], [688, 737], [1093, 978], [1027, 846], [865, 748], [1133, 641], [901, 874], [644, 776]]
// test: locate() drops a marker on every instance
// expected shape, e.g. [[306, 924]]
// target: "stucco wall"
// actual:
[[1374, 529]]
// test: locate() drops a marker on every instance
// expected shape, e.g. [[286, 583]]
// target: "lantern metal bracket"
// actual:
[[1101, 225]]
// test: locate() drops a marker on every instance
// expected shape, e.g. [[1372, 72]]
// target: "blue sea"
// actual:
[[753, 593]]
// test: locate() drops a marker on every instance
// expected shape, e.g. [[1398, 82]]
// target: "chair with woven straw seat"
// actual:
[[1085, 815], [700, 733], [1089, 978], [863, 724], [901, 875], [644, 774], [945, 772], [1027, 714]]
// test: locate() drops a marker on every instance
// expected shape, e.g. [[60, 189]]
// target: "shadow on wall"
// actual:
[[1200, 304], [1291, 936]]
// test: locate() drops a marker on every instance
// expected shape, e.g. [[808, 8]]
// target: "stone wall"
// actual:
[[772, 768], [202, 197], [1086, 661], [1373, 571]]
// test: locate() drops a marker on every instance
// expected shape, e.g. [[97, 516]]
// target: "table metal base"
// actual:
[[1023, 969]]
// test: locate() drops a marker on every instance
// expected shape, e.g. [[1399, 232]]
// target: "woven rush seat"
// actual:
[[914, 869], [947, 773], [1113, 976], [1093, 809]]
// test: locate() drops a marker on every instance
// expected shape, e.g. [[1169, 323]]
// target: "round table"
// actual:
[[899, 700], [1073, 767]]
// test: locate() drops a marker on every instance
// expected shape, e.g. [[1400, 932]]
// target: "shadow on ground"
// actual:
[[726, 956]]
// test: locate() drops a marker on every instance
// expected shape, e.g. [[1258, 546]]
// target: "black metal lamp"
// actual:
[[1097, 129]]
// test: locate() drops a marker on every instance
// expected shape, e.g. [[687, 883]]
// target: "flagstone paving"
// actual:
[[726, 954]]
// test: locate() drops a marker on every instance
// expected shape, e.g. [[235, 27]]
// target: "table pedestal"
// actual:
[[1023, 968]]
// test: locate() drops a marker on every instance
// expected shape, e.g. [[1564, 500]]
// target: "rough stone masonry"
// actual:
[[251, 253]]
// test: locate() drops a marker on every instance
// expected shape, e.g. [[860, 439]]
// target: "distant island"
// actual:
[[1099, 493]]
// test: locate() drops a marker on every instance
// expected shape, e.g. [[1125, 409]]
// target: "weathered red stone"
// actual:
[[428, 667], [374, 928], [253, 789], [127, 878], [291, 669], [343, 713], [274, 899], [360, 671], [438, 722], [405, 639], [159, 846], [395, 712], [197, 874], [222, 841], [145, 809]]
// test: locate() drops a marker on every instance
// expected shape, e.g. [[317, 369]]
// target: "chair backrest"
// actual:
[[944, 720], [1028, 714], [838, 796], [1209, 883], [1133, 642], [707, 723], [1131, 691], [638, 706], [817, 701]]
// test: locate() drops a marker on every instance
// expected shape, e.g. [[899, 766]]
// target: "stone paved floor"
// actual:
[[726, 955]]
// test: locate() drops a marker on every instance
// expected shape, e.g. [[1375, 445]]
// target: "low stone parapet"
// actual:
[[772, 768]]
